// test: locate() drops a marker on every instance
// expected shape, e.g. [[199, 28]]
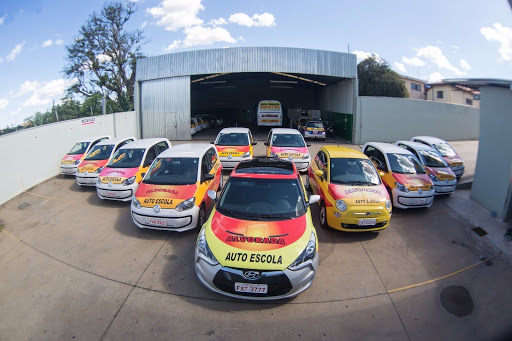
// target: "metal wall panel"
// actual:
[[248, 59], [165, 108]]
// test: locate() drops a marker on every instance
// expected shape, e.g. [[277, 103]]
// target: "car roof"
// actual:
[[93, 138], [429, 139], [234, 130], [285, 131], [145, 143], [387, 148], [187, 150], [266, 167], [115, 141], [415, 145], [344, 152]]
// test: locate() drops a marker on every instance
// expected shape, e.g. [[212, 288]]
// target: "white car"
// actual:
[[69, 163], [120, 178], [437, 168], [234, 145], [449, 154], [289, 144], [94, 162], [199, 126], [173, 194]]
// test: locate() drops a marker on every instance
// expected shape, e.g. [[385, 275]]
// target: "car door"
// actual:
[[147, 161], [318, 183], [269, 142]]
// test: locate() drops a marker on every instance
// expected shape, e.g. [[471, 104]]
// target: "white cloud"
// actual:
[[15, 52], [415, 61], [501, 34], [47, 43], [362, 55], [26, 87], [59, 42], [436, 56], [257, 20], [176, 14], [144, 24], [3, 103], [2, 19], [199, 35], [400, 67], [435, 77], [218, 22], [175, 44], [465, 65], [1, 60]]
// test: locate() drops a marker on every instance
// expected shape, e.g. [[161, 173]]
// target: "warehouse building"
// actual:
[[229, 83]]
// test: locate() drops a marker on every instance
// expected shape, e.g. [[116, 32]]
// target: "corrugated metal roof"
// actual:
[[248, 59]]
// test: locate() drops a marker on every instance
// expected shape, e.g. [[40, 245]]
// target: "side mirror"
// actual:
[[142, 175], [212, 142], [381, 174], [313, 199], [319, 173], [265, 143], [208, 177], [212, 195], [308, 145], [147, 163], [254, 143]]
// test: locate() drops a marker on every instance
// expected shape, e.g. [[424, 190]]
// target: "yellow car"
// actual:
[[353, 197]]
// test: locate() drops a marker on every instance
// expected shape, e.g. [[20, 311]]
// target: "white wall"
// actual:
[[386, 119], [33, 155], [339, 97]]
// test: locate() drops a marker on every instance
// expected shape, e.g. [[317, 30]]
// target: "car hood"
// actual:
[[71, 158], [414, 181], [442, 173], [117, 175], [453, 161], [91, 165], [359, 195], [284, 152], [167, 196], [232, 150]]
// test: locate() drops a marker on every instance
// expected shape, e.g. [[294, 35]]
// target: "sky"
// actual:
[[429, 40]]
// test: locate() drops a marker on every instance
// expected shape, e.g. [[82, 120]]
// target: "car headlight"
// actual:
[[341, 205], [433, 178], [273, 155], [135, 202], [388, 204], [98, 171], [244, 155], [129, 181], [306, 256], [305, 156], [186, 205], [77, 162], [401, 188], [431, 188], [99, 180], [203, 250]]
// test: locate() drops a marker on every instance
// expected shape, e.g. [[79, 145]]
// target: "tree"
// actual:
[[377, 79], [103, 56]]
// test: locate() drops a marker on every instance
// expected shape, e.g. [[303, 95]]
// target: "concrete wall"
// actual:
[[492, 184], [33, 155], [386, 119], [339, 97]]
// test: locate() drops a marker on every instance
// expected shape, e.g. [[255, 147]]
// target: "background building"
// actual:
[[453, 93]]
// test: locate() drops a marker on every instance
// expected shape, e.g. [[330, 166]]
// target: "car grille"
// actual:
[[357, 227], [278, 283]]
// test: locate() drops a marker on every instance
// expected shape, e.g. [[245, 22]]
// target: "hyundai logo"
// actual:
[[156, 208], [251, 274], [420, 191]]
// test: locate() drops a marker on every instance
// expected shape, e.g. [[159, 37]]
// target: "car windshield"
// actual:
[[262, 199], [232, 139], [288, 140], [79, 148], [445, 149], [315, 125], [127, 158], [432, 158], [404, 164], [172, 171], [353, 172], [100, 152]]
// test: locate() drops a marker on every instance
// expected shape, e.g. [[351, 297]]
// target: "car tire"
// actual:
[[221, 183], [201, 217], [391, 197], [306, 183], [323, 216]]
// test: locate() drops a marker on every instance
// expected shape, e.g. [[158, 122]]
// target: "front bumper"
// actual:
[[300, 163], [444, 187], [412, 199], [349, 220], [311, 135], [116, 192], [458, 170], [167, 219], [281, 283], [86, 179], [68, 169], [233, 162]]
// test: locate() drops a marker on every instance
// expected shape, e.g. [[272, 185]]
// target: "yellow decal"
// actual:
[[122, 156]]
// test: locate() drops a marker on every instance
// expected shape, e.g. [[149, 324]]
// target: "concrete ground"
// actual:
[[75, 267]]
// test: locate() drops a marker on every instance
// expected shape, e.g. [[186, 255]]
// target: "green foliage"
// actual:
[[103, 56], [377, 79]]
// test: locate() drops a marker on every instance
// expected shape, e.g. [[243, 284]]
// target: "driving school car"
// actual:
[[352, 196], [449, 154], [234, 145], [92, 165], [288, 144], [121, 176], [402, 174], [259, 242], [173, 194], [314, 130], [438, 170], [69, 163]]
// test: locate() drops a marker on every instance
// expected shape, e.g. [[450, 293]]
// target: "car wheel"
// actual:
[[390, 196], [221, 183], [306, 183], [323, 216], [201, 217]]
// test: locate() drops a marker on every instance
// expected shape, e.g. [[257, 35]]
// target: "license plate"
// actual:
[[87, 180], [447, 189], [419, 201], [252, 288], [367, 222], [157, 221], [111, 194]]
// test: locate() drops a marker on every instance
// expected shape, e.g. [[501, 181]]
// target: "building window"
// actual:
[[476, 97], [416, 87], [440, 94], [469, 101]]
